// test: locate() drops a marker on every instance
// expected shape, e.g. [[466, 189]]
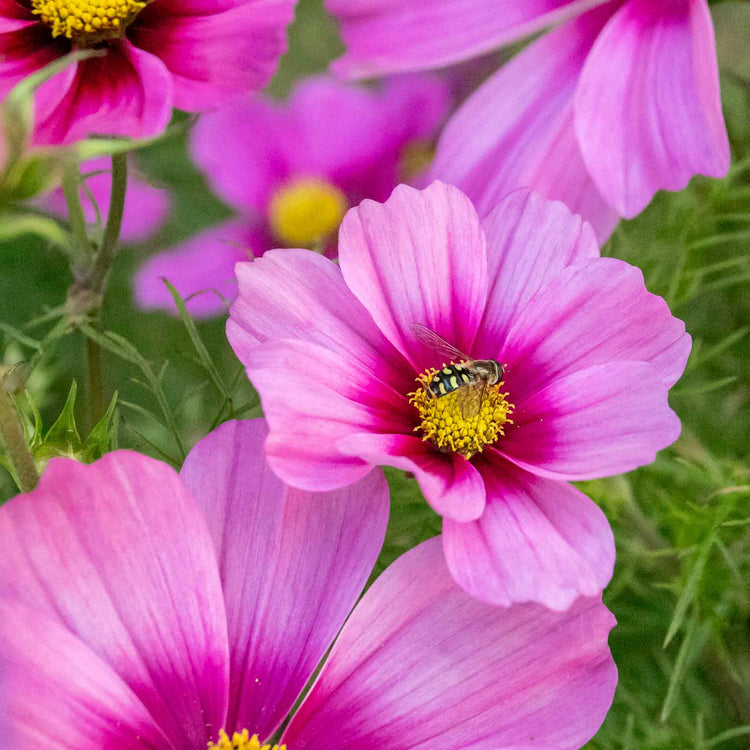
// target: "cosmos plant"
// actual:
[[190, 611], [588, 355], [291, 170], [620, 100], [152, 56]]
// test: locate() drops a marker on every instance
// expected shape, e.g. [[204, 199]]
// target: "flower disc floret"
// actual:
[[241, 741], [443, 424], [306, 212], [87, 22]]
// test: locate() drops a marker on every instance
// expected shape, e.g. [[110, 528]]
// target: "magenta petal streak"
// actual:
[[417, 258], [538, 540], [444, 670], [215, 56], [450, 483], [591, 313], [385, 36], [529, 241], [319, 308], [517, 129], [119, 554], [619, 101], [312, 398], [292, 565], [604, 420], [61, 694], [648, 107], [127, 92]]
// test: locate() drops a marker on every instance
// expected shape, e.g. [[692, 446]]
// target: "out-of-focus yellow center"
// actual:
[[241, 741], [306, 212], [87, 22], [415, 159], [443, 423]]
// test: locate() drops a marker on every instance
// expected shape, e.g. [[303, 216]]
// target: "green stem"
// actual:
[[11, 431], [95, 380], [96, 284], [104, 257], [81, 248]]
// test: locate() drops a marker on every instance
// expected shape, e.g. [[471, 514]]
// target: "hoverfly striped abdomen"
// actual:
[[451, 378]]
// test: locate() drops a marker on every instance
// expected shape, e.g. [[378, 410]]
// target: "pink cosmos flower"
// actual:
[[142, 608], [146, 206], [291, 170], [589, 356], [190, 54], [613, 105]]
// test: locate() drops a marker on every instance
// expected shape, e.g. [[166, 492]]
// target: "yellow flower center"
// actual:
[[306, 212], [87, 22], [241, 741], [444, 422]]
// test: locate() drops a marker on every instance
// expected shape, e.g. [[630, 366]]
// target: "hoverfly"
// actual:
[[467, 377]]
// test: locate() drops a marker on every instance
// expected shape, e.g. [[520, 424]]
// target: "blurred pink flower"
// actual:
[[146, 206], [139, 607], [602, 112], [291, 170], [589, 356], [190, 54]]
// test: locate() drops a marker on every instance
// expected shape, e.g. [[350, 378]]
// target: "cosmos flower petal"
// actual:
[[292, 563], [648, 109], [118, 553], [417, 258], [354, 136], [201, 269], [14, 15], [256, 134], [529, 240], [445, 670], [450, 483], [313, 398], [607, 419], [418, 103], [63, 694], [317, 307], [24, 49], [538, 540], [590, 313], [386, 36], [214, 56], [517, 130], [126, 92]]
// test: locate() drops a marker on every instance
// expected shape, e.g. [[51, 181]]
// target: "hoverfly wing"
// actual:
[[470, 398], [437, 343]]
